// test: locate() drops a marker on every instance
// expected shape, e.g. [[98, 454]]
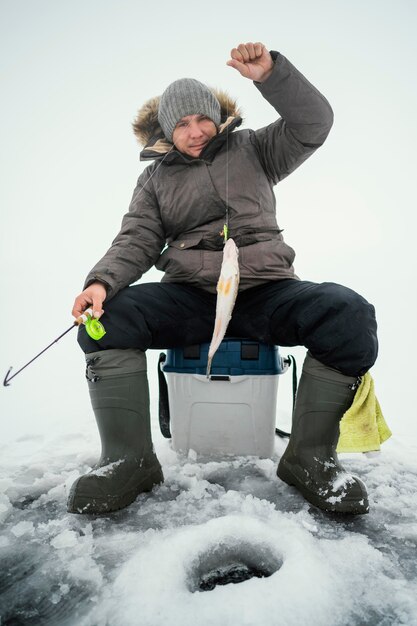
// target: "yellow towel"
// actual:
[[363, 427]]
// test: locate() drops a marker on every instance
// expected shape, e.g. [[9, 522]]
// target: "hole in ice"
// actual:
[[235, 573], [232, 563]]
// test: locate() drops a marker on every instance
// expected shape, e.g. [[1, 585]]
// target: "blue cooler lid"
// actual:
[[234, 357]]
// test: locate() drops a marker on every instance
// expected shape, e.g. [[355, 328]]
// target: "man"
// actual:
[[206, 172]]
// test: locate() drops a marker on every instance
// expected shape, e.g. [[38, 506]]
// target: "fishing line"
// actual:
[[226, 225], [157, 168]]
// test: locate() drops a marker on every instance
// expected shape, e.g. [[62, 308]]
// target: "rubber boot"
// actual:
[[310, 461], [128, 466]]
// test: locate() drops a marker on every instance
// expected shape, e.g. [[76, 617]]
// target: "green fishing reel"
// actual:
[[94, 328]]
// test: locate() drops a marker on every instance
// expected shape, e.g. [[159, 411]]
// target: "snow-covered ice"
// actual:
[[142, 566]]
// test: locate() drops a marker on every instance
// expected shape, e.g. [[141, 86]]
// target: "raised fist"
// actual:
[[252, 60]]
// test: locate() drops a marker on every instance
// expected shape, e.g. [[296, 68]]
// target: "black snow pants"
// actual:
[[333, 322]]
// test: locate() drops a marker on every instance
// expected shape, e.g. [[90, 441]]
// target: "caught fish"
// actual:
[[227, 288]]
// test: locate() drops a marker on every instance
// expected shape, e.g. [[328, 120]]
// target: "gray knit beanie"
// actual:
[[186, 96]]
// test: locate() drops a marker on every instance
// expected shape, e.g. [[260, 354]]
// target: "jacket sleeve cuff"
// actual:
[[276, 57], [96, 279]]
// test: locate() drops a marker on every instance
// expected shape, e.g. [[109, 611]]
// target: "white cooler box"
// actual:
[[231, 413]]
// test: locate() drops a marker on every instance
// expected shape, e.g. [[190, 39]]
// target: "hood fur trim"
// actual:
[[146, 125]]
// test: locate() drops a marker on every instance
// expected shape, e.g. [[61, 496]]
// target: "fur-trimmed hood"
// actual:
[[146, 126]]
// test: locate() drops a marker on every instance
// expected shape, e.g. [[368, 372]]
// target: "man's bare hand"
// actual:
[[252, 60], [95, 294]]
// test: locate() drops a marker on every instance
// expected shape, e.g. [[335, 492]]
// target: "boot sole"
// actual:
[[345, 507], [86, 504]]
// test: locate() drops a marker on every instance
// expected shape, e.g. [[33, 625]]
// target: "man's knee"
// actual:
[[361, 333], [124, 320], [346, 337]]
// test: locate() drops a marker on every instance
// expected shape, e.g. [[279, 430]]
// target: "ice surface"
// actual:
[[142, 565], [22, 528]]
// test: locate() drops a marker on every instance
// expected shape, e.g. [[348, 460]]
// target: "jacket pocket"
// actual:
[[180, 260], [266, 258]]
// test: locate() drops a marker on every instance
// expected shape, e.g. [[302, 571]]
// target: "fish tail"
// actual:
[[209, 366]]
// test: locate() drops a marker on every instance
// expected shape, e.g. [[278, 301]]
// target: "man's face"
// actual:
[[192, 133]]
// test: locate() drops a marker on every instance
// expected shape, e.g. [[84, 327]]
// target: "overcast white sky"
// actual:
[[73, 76]]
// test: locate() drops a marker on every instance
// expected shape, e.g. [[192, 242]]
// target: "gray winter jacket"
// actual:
[[178, 208]]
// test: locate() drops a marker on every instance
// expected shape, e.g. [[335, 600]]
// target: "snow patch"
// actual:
[[105, 470], [5, 507], [66, 539], [342, 480], [334, 499], [22, 528]]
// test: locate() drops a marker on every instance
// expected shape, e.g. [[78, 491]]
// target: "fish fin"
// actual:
[[227, 286]]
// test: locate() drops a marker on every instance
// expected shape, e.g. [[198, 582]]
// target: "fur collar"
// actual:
[[146, 126]]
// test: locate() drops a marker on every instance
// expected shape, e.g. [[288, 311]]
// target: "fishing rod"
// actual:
[[94, 328]]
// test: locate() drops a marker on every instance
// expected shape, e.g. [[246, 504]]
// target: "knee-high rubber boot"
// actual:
[[310, 461], [128, 466]]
